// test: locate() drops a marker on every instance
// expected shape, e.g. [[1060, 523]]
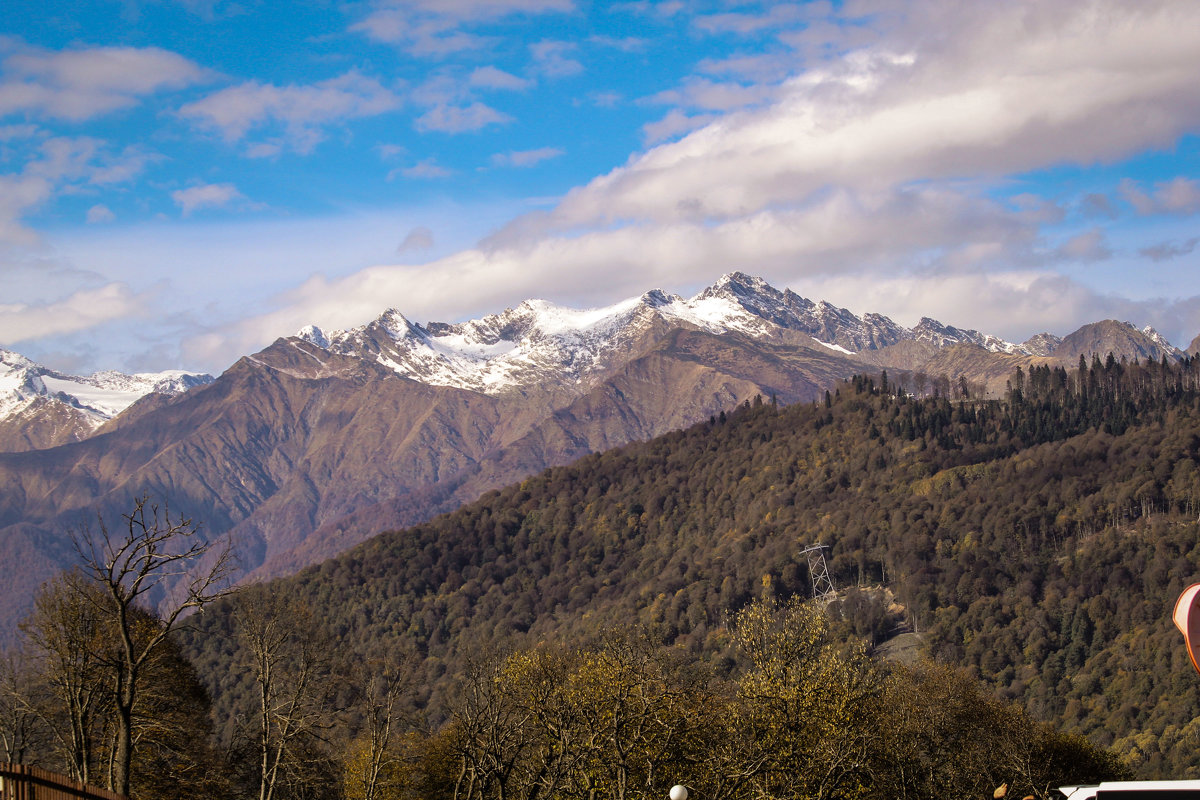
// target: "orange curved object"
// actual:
[[1187, 619]]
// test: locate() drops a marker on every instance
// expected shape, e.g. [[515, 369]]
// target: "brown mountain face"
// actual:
[[1194, 347], [47, 422], [1109, 336], [296, 453], [686, 377]]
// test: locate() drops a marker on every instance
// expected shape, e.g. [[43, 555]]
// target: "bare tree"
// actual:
[[373, 758], [154, 553], [67, 635], [291, 669], [21, 727]]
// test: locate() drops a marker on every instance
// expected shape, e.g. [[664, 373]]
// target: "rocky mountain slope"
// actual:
[[322, 439]]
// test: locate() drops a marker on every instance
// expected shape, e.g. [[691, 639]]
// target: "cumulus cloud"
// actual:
[[80, 84], [673, 124], [210, 195], [18, 195], [1178, 196], [433, 28], [1087, 246], [10, 133], [746, 23], [995, 90], [419, 238], [553, 59], [57, 164], [605, 267], [426, 168], [525, 158], [794, 247], [461, 119], [701, 93], [1167, 251], [492, 78], [302, 110], [100, 213]]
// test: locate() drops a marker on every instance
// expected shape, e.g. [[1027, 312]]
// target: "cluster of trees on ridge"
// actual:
[[1038, 541]]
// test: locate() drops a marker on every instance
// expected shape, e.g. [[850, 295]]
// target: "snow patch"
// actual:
[[837, 347]]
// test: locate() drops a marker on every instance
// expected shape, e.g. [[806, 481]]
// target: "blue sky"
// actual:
[[182, 181]]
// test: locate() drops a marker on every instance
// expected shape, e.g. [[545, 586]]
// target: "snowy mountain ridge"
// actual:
[[539, 341], [98, 397]]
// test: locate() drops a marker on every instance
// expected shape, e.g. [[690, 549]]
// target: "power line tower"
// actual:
[[818, 571]]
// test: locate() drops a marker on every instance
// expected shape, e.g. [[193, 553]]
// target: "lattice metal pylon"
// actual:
[[818, 571]]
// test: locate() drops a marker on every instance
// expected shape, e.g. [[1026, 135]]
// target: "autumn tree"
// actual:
[[374, 764], [809, 701]]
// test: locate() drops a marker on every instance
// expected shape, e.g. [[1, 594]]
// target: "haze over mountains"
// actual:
[[322, 439]]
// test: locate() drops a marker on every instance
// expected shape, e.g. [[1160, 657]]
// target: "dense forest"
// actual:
[[1036, 542]]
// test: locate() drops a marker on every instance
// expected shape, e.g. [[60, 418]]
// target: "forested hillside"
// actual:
[[1039, 541]]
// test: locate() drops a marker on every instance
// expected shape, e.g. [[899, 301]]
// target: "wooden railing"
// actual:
[[21, 782]]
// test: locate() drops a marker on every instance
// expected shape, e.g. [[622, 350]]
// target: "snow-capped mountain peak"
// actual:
[[539, 342], [1158, 339], [97, 398], [314, 335]]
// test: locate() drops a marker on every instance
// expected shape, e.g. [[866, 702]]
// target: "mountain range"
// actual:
[[315, 443], [41, 407]]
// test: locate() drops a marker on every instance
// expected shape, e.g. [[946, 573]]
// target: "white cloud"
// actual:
[[605, 99], [419, 238], [431, 28], [301, 109], [626, 44], [603, 266], [673, 124], [18, 195], [745, 24], [210, 195], [492, 78], [100, 213], [1178, 196], [83, 309], [663, 9], [986, 92], [1167, 251], [553, 59], [460, 119], [713, 96], [1087, 246], [426, 168], [525, 158], [10, 133], [80, 84], [59, 163]]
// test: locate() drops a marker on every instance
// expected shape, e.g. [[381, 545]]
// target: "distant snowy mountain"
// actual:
[[538, 341], [42, 407]]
